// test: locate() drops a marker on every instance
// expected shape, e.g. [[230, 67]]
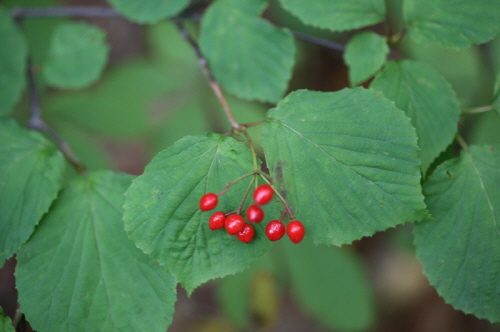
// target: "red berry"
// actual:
[[263, 194], [234, 224], [255, 214], [275, 230], [208, 202], [295, 231], [246, 235], [216, 220]]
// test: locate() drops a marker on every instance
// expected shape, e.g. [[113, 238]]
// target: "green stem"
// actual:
[[252, 150], [476, 110]]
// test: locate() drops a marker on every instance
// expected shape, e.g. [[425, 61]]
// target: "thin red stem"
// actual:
[[287, 207], [214, 85]]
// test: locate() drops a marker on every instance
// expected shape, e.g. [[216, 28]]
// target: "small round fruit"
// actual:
[[295, 231], [275, 230], [246, 235], [208, 202], [234, 224], [263, 194], [255, 214], [217, 220]]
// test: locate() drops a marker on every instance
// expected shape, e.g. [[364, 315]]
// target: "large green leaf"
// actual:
[[347, 162], [427, 98], [31, 170], [248, 56], [337, 14], [163, 218], [149, 11], [13, 54], [365, 54], [331, 284], [452, 23], [460, 249], [80, 272], [77, 55]]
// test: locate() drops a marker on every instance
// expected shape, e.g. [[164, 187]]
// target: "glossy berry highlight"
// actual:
[[263, 194], [295, 231], [208, 202], [247, 234], [275, 230], [254, 214], [234, 224], [217, 220]]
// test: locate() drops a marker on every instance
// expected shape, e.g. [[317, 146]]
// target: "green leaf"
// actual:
[[149, 11], [365, 54], [77, 56], [331, 284], [163, 218], [5, 323], [13, 55], [248, 56], [31, 171], [460, 249], [427, 98], [118, 105], [80, 272], [468, 82], [452, 23], [347, 162], [337, 15]]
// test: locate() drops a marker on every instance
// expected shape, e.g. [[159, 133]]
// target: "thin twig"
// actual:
[[18, 321], [36, 121], [69, 11], [281, 198], [252, 124], [462, 142], [319, 41], [214, 85], [101, 11]]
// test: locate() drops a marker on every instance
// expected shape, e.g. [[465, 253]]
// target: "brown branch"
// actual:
[[36, 122], [214, 85]]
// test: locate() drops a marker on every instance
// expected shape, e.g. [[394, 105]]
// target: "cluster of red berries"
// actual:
[[235, 224]]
